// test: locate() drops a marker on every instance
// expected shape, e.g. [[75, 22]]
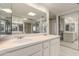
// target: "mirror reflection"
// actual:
[[15, 19], [28, 20], [5, 18]]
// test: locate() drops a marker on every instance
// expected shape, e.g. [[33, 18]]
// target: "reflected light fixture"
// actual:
[[7, 10], [25, 19], [31, 14]]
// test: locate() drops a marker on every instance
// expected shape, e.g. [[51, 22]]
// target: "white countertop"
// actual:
[[25, 41], [69, 32]]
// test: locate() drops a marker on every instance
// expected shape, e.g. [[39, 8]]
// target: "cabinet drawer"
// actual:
[[46, 44], [54, 47], [54, 50], [27, 51]]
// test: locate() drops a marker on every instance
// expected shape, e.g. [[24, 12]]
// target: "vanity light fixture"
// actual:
[[7, 10], [31, 14]]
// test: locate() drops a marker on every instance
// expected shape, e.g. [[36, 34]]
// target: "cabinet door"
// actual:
[[54, 50], [27, 51], [46, 48], [46, 52], [54, 47]]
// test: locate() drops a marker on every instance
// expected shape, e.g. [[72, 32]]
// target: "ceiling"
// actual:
[[3, 14], [22, 10], [58, 8]]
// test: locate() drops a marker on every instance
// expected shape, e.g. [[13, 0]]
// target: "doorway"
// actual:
[[68, 30], [27, 27]]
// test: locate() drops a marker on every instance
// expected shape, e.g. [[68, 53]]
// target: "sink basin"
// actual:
[[16, 40]]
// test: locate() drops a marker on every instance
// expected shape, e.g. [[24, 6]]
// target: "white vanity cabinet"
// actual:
[[49, 47], [26, 51], [46, 48], [54, 47], [39, 53]]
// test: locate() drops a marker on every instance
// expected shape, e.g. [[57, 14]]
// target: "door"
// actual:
[[27, 27]]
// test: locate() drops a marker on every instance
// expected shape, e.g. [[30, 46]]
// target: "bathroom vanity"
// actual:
[[70, 36], [37, 45]]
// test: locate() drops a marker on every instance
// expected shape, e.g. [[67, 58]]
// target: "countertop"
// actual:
[[16, 43]]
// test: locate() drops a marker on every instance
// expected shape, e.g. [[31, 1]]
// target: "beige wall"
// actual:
[[61, 24], [27, 27], [52, 26]]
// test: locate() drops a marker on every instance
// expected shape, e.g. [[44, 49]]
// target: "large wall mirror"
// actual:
[[5, 18], [27, 19], [19, 18]]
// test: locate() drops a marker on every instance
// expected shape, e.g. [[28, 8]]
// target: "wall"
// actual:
[[52, 26], [61, 24]]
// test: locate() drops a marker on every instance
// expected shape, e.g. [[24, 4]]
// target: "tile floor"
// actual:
[[70, 44], [65, 51]]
